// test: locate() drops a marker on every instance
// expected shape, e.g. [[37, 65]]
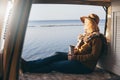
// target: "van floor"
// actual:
[[98, 74]]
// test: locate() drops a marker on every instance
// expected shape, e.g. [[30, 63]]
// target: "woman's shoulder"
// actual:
[[93, 35]]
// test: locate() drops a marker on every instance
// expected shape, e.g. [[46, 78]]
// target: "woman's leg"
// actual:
[[74, 67], [42, 69], [38, 65]]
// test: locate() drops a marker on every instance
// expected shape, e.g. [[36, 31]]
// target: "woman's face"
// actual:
[[86, 25], [90, 26]]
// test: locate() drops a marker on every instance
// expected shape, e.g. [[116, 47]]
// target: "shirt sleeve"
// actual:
[[96, 50], [84, 48]]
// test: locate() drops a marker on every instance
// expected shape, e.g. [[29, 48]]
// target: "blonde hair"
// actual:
[[93, 27]]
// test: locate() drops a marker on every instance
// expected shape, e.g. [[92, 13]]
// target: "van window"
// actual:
[[53, 27]]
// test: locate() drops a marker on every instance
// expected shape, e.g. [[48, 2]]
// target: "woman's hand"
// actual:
[[75, 51], [71, 57], [80, 37]]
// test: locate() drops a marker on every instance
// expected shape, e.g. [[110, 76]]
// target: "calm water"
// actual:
[[44, 38]]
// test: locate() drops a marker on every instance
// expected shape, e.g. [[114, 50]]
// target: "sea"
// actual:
[[45, 37]]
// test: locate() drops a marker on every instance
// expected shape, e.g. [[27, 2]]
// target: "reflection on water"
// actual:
[[41, 42]]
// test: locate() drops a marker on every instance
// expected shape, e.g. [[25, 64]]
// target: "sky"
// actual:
[[63, 11]]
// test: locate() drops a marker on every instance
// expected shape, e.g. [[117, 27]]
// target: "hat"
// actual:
[[91, 16]]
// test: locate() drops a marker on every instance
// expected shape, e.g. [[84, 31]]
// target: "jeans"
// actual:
[[57, 62]]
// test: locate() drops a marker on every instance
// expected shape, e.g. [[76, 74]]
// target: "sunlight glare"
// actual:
[[5, 24]]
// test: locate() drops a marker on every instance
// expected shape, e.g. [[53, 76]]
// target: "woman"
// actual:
[[85, 57]]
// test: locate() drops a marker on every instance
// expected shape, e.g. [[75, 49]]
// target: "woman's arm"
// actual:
[[96, 50]]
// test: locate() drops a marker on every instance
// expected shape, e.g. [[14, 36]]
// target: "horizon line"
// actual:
[[58, 20]]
